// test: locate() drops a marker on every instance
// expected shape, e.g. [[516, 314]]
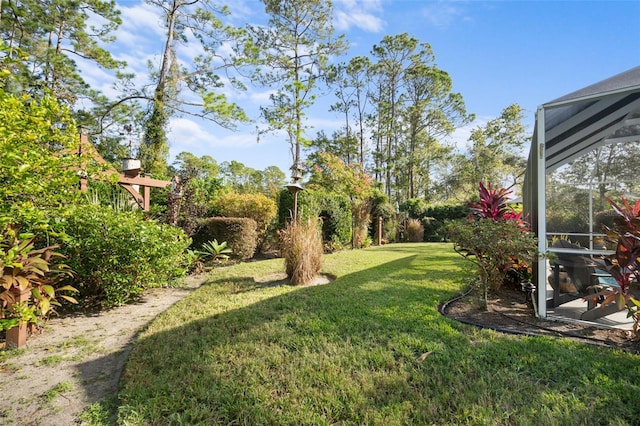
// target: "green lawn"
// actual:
[[351, 352]]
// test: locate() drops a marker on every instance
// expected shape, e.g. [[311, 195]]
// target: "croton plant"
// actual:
[[23, 268], [624, 265]]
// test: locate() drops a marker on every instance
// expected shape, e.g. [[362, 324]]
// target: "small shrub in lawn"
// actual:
[[415, 231], [240, 233], [302, 251], [492, 238]]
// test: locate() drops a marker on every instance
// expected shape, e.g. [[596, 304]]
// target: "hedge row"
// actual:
[[240, 234]]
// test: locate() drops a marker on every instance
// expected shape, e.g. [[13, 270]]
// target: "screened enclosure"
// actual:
[[585, 149]]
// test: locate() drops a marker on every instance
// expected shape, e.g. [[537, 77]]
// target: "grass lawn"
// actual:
[[368, 348]]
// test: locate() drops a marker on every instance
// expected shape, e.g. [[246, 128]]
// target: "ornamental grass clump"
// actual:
[[302, 251], [415, 231]]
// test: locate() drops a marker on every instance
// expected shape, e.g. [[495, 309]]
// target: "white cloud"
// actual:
[[443, 13], [189, 134], [360, 14], [138, 21]]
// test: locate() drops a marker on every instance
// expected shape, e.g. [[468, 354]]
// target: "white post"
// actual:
[[540, 187]]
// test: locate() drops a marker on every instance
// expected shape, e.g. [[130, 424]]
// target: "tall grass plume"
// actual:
[[302, 251], [415, 231]]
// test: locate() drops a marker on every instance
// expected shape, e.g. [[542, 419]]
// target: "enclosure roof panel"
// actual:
[[603, 113]]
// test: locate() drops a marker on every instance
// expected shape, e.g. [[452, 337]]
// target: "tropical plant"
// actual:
[[212, 251], [494, 238], [23, 268], [623, 265], [493, 204]]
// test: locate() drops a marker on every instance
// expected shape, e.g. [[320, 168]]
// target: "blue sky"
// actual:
[[497, 53]]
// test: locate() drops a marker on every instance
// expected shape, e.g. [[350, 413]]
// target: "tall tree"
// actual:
[[42, 39], [197, 24], [393, 56], [294, 48], [433, 112], [358, 71], [495, 153], [350, 82]]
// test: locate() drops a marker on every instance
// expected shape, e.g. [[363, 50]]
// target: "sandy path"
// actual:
[[76, 361]]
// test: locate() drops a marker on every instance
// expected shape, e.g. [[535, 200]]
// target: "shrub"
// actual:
[[432, 229], [334, 210], [414, 207], [433, 217], [118, 254], [491, 245], [239, 233], [302, 251], [415, 231], [494, 240], [258, 207]]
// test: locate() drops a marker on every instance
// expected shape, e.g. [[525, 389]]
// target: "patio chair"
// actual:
[[587, 277]]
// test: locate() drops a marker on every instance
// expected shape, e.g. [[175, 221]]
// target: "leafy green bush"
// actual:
[[334, 210], [118, 254], [491, 244], [433, 217], [302, 251], [258, 207], [415, 207], [240, 234], [432, 229]]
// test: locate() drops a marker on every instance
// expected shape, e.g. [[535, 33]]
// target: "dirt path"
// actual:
[[76, 361]]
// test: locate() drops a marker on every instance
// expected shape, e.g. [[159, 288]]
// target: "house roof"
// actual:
[[602, 113]]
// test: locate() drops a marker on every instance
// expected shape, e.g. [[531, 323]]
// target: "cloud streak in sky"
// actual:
[[362, 14]]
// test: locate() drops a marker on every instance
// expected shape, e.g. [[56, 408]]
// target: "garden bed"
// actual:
[[509, 313]]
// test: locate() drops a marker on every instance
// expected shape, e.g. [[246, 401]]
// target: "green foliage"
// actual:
[[255, 206], [213, 251], [330, 174], [38, 153], [23, 268], [301, 247], [433, 217], [334, 210], [48, 36], [491, 245], [118, 254], [415, 207], [240, 234]]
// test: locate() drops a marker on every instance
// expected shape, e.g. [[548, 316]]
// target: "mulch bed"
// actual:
[[509, 313]]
